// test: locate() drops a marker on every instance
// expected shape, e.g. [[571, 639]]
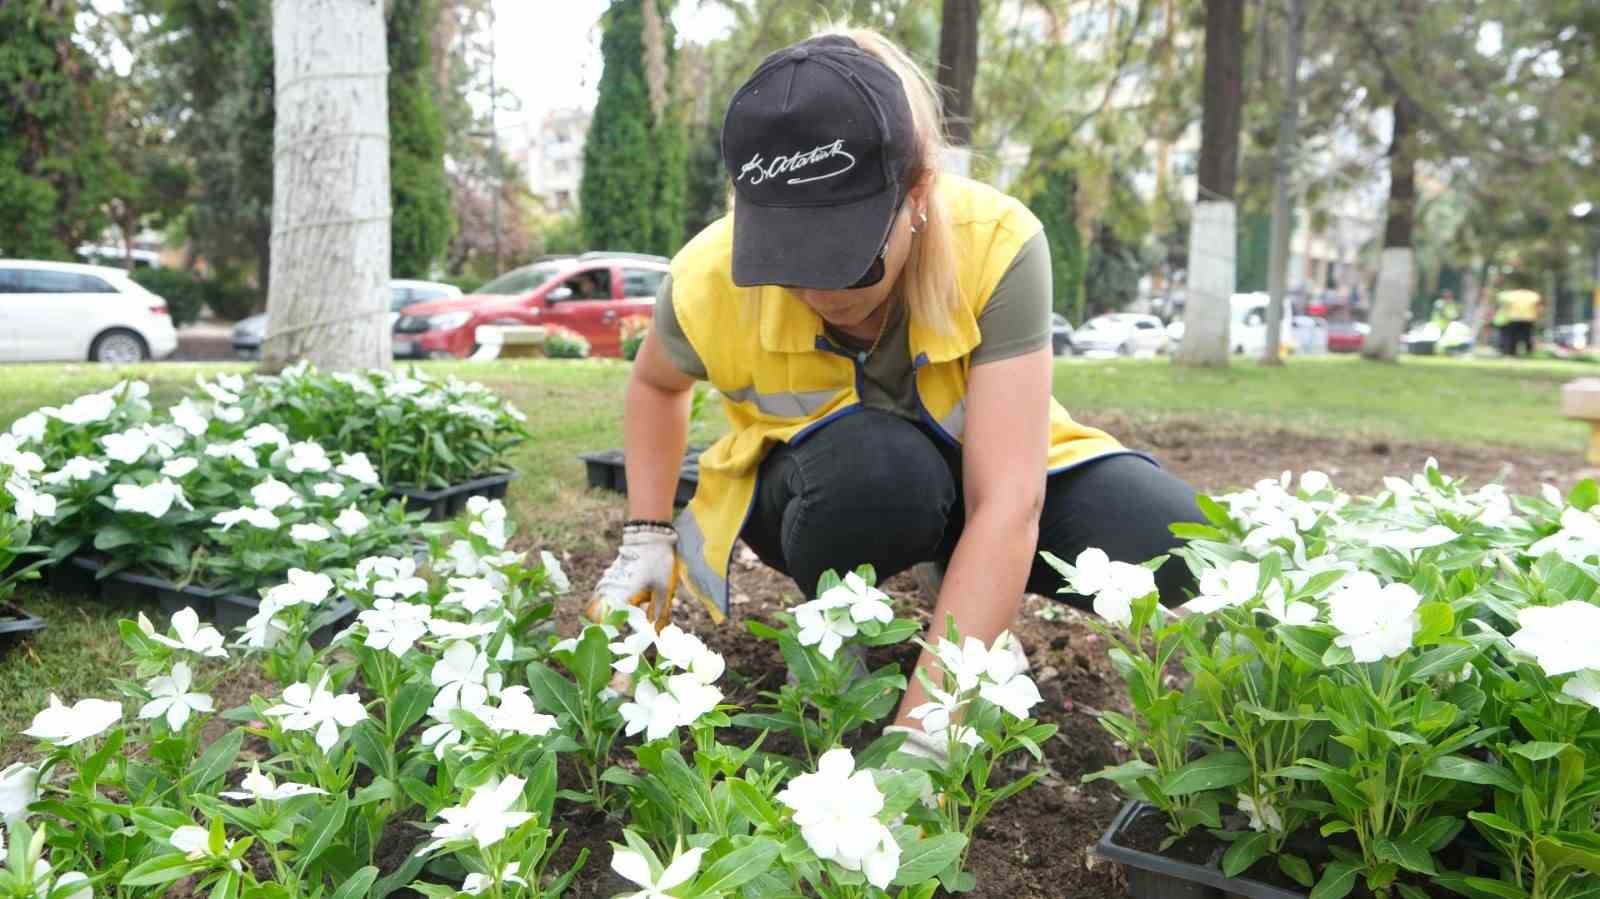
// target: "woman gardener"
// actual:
[[879, 331]]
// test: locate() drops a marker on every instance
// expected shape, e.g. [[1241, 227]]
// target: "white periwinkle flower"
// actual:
[[31, 427], [180, 466], [1375, 621], [1004, 684], [485, 819], [394, 626], [837, 810], [272, 494], [350, 522], [187, 415], [1561, 638], [642, 635], [258, 787], [303, 588], [327, 490], [239, 451], [19, 788], [1224, 588], [127, 447], [864, 601], [87, 409], [488, 520], [27, 503], [552, 571], [472, 594], [307, 456], [460, 664], [388, 576], [65, 725], [316, 708], [309, 532], [190, 635], [825, 623], [476, 883], [358, 468], [258, 518], [516, 715], [78, 468], [265, 435], [1114, 585], [155, 500], [170, 697], [1263, 816], [636, 868]]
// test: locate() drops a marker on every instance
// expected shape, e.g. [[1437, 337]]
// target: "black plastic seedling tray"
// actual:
[[16, 624], [1154, 876], [605, 470], [448, 502]]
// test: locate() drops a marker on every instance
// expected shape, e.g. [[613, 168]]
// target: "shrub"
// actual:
[[565, 343], [634, 329], [185, 294]]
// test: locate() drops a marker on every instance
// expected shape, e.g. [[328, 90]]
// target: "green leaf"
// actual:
[[1584, 494], [1336, 656], [1219, 769], [1456, 767], [1433, 834], [926, 858], [1566, 849], [591, 661], [1496, 822], [1407, 855], [1338, 879], [1125, 773], [738, 867], [554, 692], [1439, 660], [410, 704], [324, 828], [357, 885], [162, 869], [1214, 512], [1539, 751], [214, 763], [750, 802], [1296, 868], [1480, 886], [1307, 643], [897, 631], [1245, 852]]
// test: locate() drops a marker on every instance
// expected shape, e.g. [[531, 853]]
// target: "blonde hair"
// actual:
[[928, 281]]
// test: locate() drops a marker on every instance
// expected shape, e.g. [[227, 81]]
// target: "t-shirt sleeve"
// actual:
[[1016, 319], [671, 335]]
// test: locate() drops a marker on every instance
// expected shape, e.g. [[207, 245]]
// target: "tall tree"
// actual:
[[419, 191], [1212, 235], [958, 66], [330, 220], [1282, 187], [1397, 266], [56, 171], [632, 193]]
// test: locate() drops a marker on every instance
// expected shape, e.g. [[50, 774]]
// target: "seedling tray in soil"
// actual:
[[447, 502], [220, 606], [1155, 876], [16, 624], [606, 470]]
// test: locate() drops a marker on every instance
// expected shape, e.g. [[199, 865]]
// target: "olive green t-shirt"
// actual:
[[1015, 321]]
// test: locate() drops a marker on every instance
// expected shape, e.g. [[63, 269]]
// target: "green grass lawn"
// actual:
[[576, 406]]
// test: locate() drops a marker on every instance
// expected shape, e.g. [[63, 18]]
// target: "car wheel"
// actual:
[[118, 346]]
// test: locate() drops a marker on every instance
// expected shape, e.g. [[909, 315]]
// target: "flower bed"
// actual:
[[1404, 684], [438, 741]]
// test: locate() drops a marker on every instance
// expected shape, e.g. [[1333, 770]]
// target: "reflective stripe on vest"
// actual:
[[786, 405], [701, 576]]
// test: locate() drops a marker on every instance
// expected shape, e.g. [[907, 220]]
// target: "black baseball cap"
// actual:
[[819, 144]]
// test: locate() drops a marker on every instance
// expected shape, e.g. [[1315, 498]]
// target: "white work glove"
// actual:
[[644, 574]]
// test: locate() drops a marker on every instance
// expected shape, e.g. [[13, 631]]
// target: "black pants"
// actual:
[[1514, 333], [872, 487]]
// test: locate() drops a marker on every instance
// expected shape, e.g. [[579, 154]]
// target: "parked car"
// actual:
[[1123, 333], [1572, 337], [62, 311], [1347, 336], [1247, 330], [1060, 334], [591, 295], [250, 333], [1428, 339]]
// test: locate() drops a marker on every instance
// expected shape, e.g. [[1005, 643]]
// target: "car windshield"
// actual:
[[522, 280]]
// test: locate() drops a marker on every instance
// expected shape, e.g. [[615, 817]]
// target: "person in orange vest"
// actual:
[[879, 334], [1519, 310]]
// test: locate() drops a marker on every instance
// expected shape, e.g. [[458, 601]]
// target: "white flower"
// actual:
[[1547, 492], [1374, 620], [642, 635], [394, 626], [250, 515], [308, 456], [485, 819], [170, 697], [552, 571], [687, 652], [462, 630], [1263, 817], [187, 415], [967, 663], [356, 467], [653, 710], [191, 637], [1314, 481], [1223, 588], [177, 468], [475, 883], [127, 447], [264, 628], [30, 427], [258, 787], [1577, 541], [517, 715], [219, 393], [472, 698], [1004, 683], [154, 500], [237, 451], [309, 532], [1114, 585], [78, 468], [1408, 542], [489, 520], [1561, 638], [66, 725], [636, 868], [865, 602], [307, 708], [29, 503], [940, 713], [303, 588], [694, 696], [472, 594], [273, 493], [824, 624], [19, 788], [350, 522], [230, 414], [459, 665], [67, 879], [837, 811], [265, 435], [87, 409], [1585, 687], [387, 576], [327, 490], [1297, 612]]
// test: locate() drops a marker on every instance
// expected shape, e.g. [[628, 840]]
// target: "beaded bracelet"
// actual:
[[650, 524]]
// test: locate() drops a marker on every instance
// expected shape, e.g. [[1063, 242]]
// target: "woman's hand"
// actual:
[[1005, 445]]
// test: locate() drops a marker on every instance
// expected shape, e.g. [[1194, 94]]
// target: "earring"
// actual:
[[923, 222]]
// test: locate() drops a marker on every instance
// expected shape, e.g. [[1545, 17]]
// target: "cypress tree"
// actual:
[[422, 224]]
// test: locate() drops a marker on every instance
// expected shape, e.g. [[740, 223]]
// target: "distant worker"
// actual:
[[1445, 309], [1519, 308]]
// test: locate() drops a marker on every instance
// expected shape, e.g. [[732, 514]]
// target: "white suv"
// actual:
[[60, 311]]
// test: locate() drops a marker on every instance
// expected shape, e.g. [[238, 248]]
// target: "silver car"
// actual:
[[1123, 333], [250, 333]]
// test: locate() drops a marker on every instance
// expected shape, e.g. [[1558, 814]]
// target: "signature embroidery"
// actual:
[[760, 170]]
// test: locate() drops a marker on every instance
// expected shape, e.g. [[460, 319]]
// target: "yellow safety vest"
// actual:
[[780, 379]]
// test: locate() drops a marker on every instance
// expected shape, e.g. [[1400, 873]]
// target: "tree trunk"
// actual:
[[1282, 188], [958, 67], [328, 293], [1392, 304], [1212, 235]]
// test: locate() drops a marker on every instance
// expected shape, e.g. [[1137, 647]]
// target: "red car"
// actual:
[[1347, 337], [591, 294]]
